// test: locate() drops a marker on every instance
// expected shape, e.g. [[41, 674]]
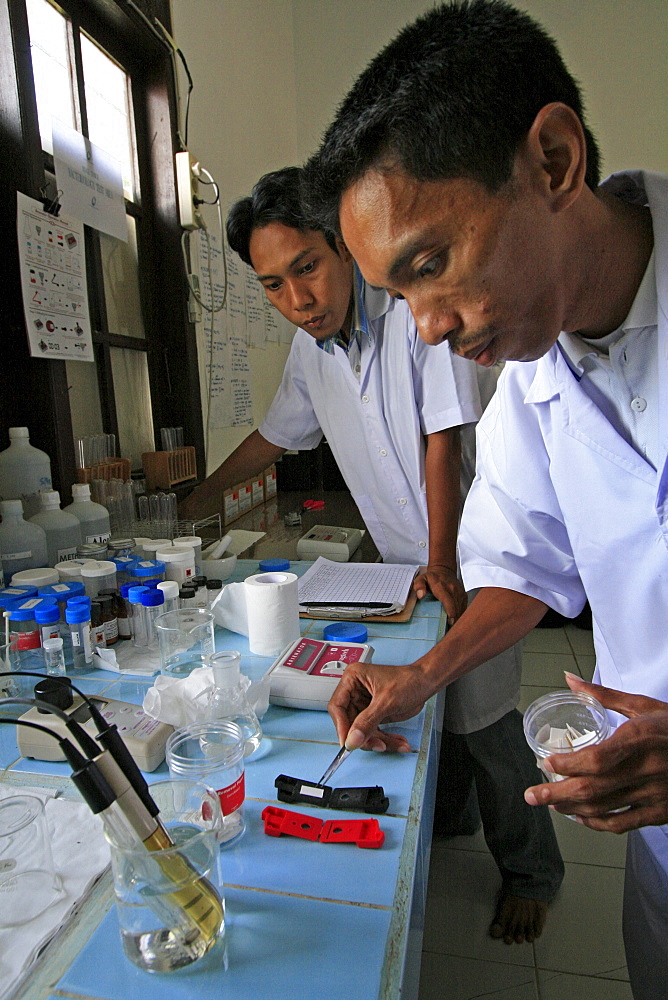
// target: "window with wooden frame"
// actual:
[[104, 68]]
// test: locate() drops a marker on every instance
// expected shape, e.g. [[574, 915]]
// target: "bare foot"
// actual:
[[517, 919]]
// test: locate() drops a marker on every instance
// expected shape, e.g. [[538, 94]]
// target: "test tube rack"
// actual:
[[163, 469], [109, 468]]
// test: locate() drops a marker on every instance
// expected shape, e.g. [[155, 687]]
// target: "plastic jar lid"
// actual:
[[79, 599], [134, 594], [152, 598], [62, 591], [101, 567], [42, 577], [169, 588], [274, 565], [54, 643], [25, 610], [72, 567], [174, 555], [345, 632], [146, 568], [9, 594], [77, 613], [187, 541], [47, 615], [121, 543]]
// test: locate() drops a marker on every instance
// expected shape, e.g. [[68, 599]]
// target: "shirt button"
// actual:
[[358, 368], [365, 399], [402, 500], [638, 404], [422, 545], [383, 452]]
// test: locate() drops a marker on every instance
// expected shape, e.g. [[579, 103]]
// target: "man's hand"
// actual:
[[446, 587], [398, 693], [628, 771]]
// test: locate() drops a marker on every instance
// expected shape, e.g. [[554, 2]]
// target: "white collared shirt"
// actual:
[[619, 372], [375, 419]]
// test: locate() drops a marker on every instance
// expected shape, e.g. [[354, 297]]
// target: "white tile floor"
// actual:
[[580, 955]]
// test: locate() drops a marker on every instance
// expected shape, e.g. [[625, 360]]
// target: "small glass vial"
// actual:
[[153, 604], [171, 591], [77, 615], [54, 657], [228, 701], [138, 623], [187, 597], [213, 588]]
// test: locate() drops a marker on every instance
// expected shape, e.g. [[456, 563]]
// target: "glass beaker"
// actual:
[[186, 640], [228, 701], [28, 881], [170, 905]]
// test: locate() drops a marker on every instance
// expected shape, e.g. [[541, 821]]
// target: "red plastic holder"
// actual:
[[363, 832]]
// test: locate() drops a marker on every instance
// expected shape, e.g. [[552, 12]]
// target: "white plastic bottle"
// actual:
[[22, 544], [63, 531], [93, 517], [24, 471]]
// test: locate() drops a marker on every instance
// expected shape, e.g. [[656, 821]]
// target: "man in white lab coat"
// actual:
[[391, 408], [464, 179]]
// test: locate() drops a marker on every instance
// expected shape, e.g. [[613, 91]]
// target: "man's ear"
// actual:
[[342, 250], [557, 151]]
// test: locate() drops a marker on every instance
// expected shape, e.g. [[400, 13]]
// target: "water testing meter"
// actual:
[[308, 670]]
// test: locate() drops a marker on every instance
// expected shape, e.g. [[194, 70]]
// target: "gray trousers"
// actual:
[[484, 774]]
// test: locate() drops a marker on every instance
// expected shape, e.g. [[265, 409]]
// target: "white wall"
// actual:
[[270, 73]]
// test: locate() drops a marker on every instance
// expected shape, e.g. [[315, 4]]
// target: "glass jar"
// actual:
[[120, 547], [213, 753], [92, 550]]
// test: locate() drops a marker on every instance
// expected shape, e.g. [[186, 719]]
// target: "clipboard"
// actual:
[[401, 616]]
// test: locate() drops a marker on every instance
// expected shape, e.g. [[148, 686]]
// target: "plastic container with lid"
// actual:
[[48, 621], [187, 597], [10, 594], [24, 471], [63, 530], [122, 563], [213, 752], [26, 636], [193, 542], [151, 546], [563, 722], [171, 591], [93, 517], [138, 550], [42, 577], [153, 605], [22, 543], [77, 615], [70, 570], [139, 637], [54, 656], [144, 571], [62, 593], [92, 550], [179, 563], [99, 576]]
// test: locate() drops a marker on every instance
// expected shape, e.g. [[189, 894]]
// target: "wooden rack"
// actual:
[[163, 469], [110, 468]]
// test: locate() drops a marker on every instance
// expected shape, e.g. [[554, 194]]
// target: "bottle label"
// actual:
[[28, 640], [65, 554], [111, 630], [124, 630], [232, 797], [9, 556], [103, 536], [50, 632]]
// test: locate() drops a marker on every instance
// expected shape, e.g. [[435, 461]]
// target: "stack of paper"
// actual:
[[332, 588]]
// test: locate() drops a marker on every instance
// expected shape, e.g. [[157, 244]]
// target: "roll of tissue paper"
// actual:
[[272, 605], [264, 607]]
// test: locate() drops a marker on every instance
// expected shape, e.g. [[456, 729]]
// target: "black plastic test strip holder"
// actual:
[[368, 800]]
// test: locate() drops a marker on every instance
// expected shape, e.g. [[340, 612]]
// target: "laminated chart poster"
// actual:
[[53, 283], [244, 321]]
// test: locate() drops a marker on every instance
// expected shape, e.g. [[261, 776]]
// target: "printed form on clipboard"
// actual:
[[337, 590]]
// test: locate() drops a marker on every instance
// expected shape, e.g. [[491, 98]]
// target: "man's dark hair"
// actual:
[[275, 198], [453, 95]]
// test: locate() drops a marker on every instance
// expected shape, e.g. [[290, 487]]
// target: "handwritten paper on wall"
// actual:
[[247, 320], [53, 282]]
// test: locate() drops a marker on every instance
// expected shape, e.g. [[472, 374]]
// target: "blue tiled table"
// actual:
[[304, 919]]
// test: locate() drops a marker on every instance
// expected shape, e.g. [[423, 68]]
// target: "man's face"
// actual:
[[478, 269], [308, 282]]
